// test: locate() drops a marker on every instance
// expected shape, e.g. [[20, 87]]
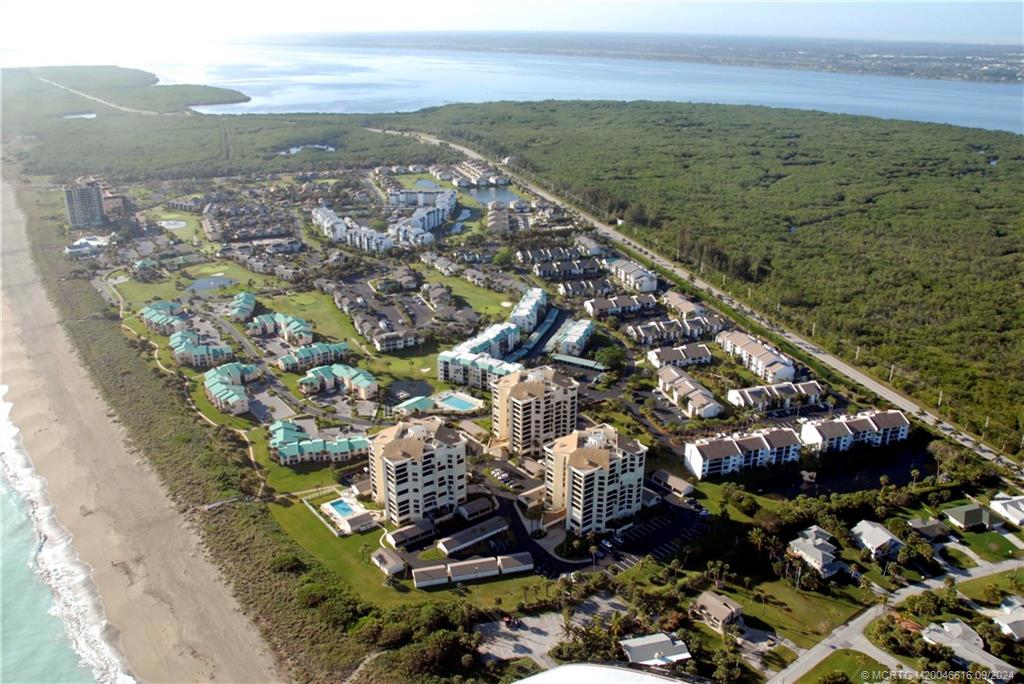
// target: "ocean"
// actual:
[[51, 619], [314, 77]]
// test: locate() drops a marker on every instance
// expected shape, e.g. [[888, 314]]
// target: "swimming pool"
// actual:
[[457, 403], [342, 507]]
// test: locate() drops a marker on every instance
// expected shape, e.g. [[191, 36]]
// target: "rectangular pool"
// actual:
[[341, 507], [457, 403]]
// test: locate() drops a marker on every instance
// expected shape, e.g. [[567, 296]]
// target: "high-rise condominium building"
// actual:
[[532, 407], [84, 204]]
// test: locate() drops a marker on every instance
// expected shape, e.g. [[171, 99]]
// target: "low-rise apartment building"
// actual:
[[163, 317], [779, 395], [225, 386], [692, 398], [242, 306], [290, 445], [764, 360], [621, 305], [188, 350], [874, 428], [596, 476], [295, 331], [633, 275], [722, 455], [585, 288], [529, 310], [530, 408], [357, 381], [662, 331], [572, 338], [694, 354], [310, 355], [418, 469]]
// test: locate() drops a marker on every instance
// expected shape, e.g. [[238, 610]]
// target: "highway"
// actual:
[[836, 364]]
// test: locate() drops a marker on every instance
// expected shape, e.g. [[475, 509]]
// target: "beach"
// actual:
[[168, 611]]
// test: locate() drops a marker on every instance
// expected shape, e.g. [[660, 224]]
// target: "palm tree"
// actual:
[[593, 554], [757, 538]]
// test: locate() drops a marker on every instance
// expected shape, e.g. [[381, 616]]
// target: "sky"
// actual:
[[67, 32]]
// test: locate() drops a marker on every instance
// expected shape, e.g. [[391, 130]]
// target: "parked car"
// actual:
[[606, 544]]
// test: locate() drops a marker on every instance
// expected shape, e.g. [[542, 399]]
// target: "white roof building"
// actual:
[[875, 538], [1009, 508], [654, 649]]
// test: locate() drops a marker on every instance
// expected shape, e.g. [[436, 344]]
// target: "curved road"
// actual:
[[838, 365]]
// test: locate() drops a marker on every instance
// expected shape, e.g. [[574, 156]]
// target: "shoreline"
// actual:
[[167, 610]]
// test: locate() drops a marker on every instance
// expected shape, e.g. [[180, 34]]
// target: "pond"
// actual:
[[426, 184], [493, 194], [211, 283], [173, 225], [299, 148]]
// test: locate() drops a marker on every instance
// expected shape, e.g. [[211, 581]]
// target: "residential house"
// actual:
[[1009, 508], [291, 329], [310, 355], [661, 331], [716, 610], [929, 528], [969, 517], [874, 537], [872, 428], [225, 386], [779, 395], [654, 650], [681, 305], [814, 547], [757, 356], [188, 350], [242, 306]]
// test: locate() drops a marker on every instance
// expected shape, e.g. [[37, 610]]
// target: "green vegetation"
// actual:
[[854, 664], [283, 479], [782, 205], [482, 300], [778, 658], [990, 545], [1011, 582], [957, 559]]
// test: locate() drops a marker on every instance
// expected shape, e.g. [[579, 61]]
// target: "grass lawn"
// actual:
[[778, 658], [990, 545], [319, 310], [138, 294], [803, 617], [957, 559], [482, 300], [853, 664], [975, 589], [192, 229], [285, 479], [872, 570], [343, 555]]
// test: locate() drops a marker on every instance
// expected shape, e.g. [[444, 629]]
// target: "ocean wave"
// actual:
[[77, 602]]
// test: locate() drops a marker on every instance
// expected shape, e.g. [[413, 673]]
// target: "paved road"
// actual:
[[87, 96], [851, 635], [838, 365]]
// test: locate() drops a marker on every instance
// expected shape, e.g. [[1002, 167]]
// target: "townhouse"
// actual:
[[780, 395], [661, 331], [596, 477], [291, 329], [632, 275], [685, 392], [188, 349], [163, 317], [566, 270], [874, 428], [530, 408], [759, 357], [310, 355], [682, 305], [585, 288], [472, 369], [693, 354], [417, 470], [546, 254], [588, 246], [290, 445], [621, 305], [721, 455], [225, 386], [356, 381]]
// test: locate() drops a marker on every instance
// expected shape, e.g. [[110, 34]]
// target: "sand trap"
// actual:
[[217, 275], [173, 225], [426, 370], [507, 305]]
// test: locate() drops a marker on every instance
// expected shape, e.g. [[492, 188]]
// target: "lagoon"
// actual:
[[327, 78]]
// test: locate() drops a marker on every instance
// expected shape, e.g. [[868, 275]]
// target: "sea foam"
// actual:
[[76, 600]]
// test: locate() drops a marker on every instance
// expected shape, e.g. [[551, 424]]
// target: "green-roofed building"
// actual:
[[162, 317], [325, 378], [415, 405], [145, 265], [290, 444], [188, 350], [316, 354], [225, 386], [242, 305], [292, 330]]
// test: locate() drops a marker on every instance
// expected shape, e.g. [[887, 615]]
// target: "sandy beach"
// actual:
[[169, 613]]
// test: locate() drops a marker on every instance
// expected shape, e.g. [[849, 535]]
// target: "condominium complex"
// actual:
[[572, 338], [163, 317], [633, 275], [84, 204], [762, 359], [596, 476], [347, 231], [730, 454], [241, 307], [357, 381], [779, 395], [310, 355], [292, 330], [290, 444], [225, 386], [477, 361], [875, 428], [417, 469], [189, 350], [532, 407], [679, 387]]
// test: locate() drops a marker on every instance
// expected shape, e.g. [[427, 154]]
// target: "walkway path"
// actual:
[[838, 365], [851, 635], [365, 663]]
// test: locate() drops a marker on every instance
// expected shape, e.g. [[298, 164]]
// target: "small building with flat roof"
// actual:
[[472, 535], [388, 561], [475, 568], [421, 530], [476, 508], [515, 562], [673, 483], [654, 650], [431, 576]]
